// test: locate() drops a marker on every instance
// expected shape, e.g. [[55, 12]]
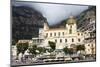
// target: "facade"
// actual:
[[90, 47], [68, 36], [90, 43]]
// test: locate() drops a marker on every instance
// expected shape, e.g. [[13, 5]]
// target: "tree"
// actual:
[[71, 51], [80, 48], [66, 50], [52, 45], [22, 47], [33, 50], [41, 50], [50, 50]]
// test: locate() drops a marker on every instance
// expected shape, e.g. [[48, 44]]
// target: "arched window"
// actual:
[[65, 40], [78, 40], [78, 34], [60, 40], [50, 34], [70, 31], [62, 33], [72, 40], [71, 26], [58, 33], [56, 40]]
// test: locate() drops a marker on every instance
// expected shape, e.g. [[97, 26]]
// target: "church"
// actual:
[[68, 36]]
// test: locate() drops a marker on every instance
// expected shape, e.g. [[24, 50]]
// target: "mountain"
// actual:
[[26, 22], [83, 19]]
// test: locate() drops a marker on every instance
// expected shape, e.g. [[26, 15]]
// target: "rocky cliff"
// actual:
[[25, 22]]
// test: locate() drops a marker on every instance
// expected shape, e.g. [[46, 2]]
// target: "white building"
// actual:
[[68, 36], [90, 43], [90, 47]]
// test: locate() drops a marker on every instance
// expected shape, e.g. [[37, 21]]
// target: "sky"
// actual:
[[54, 13]]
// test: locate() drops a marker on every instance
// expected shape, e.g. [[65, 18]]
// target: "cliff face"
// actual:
[[25, 22], [86, 17]]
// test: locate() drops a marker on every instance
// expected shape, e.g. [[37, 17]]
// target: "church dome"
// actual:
[[71, 20]]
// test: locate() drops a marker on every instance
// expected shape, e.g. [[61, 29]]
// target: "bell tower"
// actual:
[[46, 27], [71, 25]]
